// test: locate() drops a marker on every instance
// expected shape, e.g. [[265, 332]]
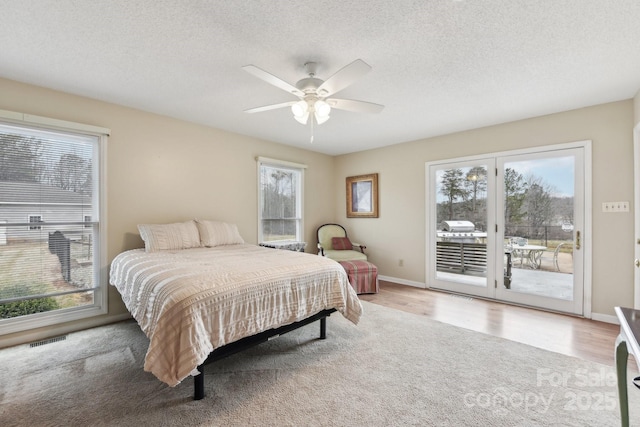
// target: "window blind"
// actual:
[[49, 219]]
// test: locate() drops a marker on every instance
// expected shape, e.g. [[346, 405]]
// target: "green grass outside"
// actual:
[[30, 269]]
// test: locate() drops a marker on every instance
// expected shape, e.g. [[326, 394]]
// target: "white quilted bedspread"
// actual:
[[192, 301]]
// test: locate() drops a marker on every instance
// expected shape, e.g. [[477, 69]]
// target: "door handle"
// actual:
[[578, 240], [637, 263]]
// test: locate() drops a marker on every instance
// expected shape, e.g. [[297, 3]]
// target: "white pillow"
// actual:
[[218, 233], [163, 237]]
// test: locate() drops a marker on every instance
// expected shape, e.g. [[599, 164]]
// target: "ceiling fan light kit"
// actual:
[[322, 109], [319, 108], [300, 108], [314, 93]]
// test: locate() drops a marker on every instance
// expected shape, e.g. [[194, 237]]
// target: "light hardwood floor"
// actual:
[[573, 336]]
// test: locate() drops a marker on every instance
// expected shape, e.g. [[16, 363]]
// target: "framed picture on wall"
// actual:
[[362, 196]]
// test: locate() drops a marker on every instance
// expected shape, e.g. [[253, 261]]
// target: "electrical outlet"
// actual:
[[615, 207], [401, 263]]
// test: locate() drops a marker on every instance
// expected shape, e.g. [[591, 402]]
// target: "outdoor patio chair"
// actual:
[[516, 255], [553, 256]]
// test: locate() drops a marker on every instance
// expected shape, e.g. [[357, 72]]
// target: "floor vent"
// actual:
[[48, 341]]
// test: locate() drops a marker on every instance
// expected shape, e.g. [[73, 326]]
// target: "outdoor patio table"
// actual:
[[531, 254]]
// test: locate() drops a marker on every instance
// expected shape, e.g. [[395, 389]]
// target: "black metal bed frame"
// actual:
[[248, 342]]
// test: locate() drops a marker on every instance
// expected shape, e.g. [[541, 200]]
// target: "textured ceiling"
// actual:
[[439, 66]]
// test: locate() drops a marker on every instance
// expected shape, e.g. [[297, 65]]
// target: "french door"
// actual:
[[511, 226], [636, 172]]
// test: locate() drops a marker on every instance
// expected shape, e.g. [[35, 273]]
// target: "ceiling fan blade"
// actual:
[[270, 107], [271, 79], [356, 106], [344, 77]]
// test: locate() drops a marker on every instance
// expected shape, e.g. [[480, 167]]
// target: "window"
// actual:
[[52, 264], [35, 219], [280, 196]]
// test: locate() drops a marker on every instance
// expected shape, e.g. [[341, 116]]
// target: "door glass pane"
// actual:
[[461, 224], [539, 224]]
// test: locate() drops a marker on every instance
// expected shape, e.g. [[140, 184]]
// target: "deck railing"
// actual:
[[466, 258]]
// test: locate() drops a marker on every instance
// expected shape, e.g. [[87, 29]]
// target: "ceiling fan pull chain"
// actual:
[[311, 139]]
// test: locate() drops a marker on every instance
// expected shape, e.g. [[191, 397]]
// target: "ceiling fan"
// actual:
[[314, 94]]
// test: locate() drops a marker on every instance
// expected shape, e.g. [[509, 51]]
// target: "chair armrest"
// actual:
[[320, 249], [359, 246]]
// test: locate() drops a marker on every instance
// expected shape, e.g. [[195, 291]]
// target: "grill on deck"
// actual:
[[460, 232]]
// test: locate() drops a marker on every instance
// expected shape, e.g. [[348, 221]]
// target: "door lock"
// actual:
[[578, 240]]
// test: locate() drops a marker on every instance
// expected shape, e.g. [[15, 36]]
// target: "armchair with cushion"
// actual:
[[333, 243]]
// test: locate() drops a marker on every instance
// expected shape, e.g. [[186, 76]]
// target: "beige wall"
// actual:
[[163, 170], [399, 232]]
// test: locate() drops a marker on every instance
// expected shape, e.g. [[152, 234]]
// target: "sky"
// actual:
[[557, 172]]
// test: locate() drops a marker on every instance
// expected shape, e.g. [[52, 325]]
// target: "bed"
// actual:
[[193, 299]]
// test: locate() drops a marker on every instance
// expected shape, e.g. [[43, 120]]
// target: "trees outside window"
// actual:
[[531, 206]]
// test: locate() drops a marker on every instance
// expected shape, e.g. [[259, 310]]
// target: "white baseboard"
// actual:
[[607, 318], [402, 281]]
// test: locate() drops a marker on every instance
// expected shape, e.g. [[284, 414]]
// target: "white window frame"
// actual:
[[282, 164], [100, 300]]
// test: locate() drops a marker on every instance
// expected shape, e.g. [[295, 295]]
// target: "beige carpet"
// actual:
[[393, 369]]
